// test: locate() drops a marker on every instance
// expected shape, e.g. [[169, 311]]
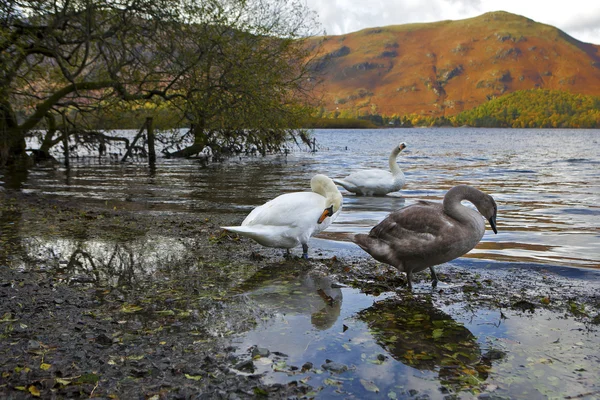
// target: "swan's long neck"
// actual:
[[452, 202], [394, 167], [325, 187]]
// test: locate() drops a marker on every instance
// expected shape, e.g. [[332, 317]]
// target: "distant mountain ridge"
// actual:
[[443, 68]]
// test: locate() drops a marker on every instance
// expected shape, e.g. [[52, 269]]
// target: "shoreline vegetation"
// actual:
[[536, 108]]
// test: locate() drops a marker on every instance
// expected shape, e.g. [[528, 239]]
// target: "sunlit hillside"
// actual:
[[446, 67]]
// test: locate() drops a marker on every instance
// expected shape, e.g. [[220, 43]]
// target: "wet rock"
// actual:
[[245, 366], [260, 352], [490, 396], [33, 345], [524, 305], [104, 340], [307, 366], [334, 367], [494, 354]]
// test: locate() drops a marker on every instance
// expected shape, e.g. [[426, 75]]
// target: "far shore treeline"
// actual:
[[536, 108]]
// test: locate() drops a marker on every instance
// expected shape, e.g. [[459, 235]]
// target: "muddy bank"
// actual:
[[155, 322]]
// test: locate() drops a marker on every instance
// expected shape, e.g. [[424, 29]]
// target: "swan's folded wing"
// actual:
[[369, 177], [288, 209]]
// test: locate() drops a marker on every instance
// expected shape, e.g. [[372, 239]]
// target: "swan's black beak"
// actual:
[[328, 212], [493, 223]]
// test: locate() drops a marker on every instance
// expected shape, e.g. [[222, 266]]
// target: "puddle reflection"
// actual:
[[293, 291]]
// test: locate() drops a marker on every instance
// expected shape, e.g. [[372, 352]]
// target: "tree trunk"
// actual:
[[200, 142], [12, 145], [12, 139], [188, 151]]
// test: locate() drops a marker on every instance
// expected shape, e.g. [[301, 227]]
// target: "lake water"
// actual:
[[546, 184]]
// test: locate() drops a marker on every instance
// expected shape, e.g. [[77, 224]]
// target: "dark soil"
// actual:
[[70, 329]]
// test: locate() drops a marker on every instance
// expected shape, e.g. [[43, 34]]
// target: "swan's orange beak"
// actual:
[[328, 212]]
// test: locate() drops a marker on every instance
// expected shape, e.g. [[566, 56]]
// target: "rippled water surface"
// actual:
[[546, 184]]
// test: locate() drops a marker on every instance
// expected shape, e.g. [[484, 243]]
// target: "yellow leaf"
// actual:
[[62, 381], [193, 377], [162, 343], [7, 317], [130, 308], [23, 388], [45, 366], [34, 391]]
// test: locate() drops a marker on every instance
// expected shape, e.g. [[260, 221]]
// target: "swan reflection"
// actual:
[[295, 291]]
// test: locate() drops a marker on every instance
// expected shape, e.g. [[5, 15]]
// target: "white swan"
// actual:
[[292, 218], [376, 182], [426, 234]]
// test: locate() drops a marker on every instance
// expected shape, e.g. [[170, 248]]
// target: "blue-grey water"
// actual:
[[546, 184]]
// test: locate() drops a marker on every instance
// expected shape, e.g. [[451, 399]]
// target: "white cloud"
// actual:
[[578, 18]]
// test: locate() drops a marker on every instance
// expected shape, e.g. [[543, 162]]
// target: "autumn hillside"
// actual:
[[446, 67]]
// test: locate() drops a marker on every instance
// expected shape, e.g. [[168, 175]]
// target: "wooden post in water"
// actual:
[[135, 139], [314, 145], [65, 141], [151, 150]]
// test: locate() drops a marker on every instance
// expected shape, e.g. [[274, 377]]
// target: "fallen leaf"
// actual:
[[193, 377], [64, 382], [34, 391], [130, 308], [370, 386]]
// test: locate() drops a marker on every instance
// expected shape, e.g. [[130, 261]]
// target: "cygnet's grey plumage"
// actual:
[[427, 233], [376, 182]]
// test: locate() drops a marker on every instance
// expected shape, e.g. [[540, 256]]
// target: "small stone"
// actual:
[[494, 354], [334, 367], [104, 340], [33, 345], [261, 352], [307, 366], [246, 366]]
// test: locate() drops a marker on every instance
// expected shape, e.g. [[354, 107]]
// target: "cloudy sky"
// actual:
[[578, 18]]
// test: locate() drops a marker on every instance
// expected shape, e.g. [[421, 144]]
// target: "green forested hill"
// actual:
[[536, 108]]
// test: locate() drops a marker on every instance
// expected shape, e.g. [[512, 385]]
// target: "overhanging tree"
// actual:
[[238, 69]]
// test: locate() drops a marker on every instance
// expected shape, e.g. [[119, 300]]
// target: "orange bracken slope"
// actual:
[[445, 67]]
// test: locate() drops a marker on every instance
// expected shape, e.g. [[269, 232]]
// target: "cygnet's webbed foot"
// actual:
[[409, 280], [434, 278]]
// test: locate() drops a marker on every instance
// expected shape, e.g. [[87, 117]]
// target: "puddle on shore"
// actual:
[[346, 343]]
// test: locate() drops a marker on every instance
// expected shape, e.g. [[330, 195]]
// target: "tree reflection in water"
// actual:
[[421, 336]]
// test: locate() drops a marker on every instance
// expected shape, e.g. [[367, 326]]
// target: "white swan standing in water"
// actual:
[[426, 234], [376, 182], [292, 218]]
